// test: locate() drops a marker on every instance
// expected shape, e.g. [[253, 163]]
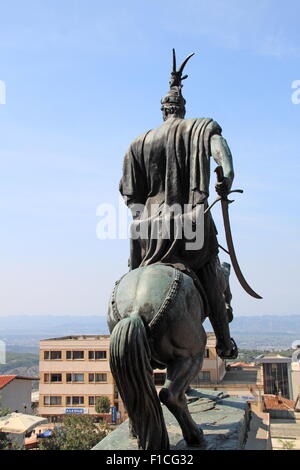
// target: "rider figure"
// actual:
[[171, 165]]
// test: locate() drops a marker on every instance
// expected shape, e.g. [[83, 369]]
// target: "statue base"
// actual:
[[224, 420]]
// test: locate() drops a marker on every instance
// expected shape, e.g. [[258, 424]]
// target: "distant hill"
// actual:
[[21, 364], [275, 324], [266, 331], [22, 333], [46, 326]]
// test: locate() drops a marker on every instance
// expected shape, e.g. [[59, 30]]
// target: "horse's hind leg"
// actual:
[[180, 372]]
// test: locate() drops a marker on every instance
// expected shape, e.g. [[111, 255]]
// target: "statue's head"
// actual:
[[173, 104]]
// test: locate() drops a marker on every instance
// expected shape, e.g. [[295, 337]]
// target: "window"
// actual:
[[78, 377], [52, 400], [75, 355], [100, 354], [206, 353], [55, 355], [204, 376], [46, 377], [78, 354], [91, 401], [75, 377], [75, 400], [52, 355], [100, 377], [97, 355], [55, 377], [97, 377], [159, 378]]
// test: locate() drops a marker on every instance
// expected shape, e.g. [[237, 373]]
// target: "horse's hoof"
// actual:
[[197, 440], [228, 353]]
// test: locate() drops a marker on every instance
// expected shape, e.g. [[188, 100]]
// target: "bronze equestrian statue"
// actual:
[[157, 309]]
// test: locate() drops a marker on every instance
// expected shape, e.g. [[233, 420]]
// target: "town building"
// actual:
[[277, 377], [284, 422], [74, 371], [295, 372], [15, 393], [213, 367]]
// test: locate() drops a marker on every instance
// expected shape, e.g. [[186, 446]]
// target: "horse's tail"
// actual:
[[130, 356]]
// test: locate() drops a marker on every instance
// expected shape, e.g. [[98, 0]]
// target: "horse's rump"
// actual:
[[150, 292]]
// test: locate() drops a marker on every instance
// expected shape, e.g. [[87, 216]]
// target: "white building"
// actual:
[[295, 366], [15, 393]]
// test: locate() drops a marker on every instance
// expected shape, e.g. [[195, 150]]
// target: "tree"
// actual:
[[102, 405], [78, 432]]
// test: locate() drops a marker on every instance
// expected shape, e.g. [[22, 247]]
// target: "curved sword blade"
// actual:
[[232, 254]]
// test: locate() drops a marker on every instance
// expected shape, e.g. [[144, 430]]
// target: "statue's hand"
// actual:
[[223, 187]]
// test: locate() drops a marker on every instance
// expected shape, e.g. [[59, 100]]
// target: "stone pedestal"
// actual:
[[223, 419]]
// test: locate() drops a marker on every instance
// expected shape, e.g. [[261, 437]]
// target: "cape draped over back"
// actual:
[[166, 166]]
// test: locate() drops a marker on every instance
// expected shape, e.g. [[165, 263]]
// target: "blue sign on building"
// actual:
[[74, 410], [113, 414]]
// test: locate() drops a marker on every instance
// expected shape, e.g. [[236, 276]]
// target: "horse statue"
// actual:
[[155, 319], [156, 310]]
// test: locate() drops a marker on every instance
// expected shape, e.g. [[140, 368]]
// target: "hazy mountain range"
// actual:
[[22, 333]]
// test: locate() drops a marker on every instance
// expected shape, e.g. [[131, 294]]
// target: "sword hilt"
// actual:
[[220, 177], [220, 174]]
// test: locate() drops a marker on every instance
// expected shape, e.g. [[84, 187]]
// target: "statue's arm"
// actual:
[[221, 153]]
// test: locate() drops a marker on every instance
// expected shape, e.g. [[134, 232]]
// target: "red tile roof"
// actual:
[[273, 402], [5, 379], [241, 364]]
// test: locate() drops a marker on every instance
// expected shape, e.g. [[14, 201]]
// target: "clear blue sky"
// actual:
[[83, 79]]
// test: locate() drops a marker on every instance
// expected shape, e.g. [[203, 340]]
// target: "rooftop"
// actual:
[[6, 379], [78, 338], [274, 402], [241, 364], [269, 359]]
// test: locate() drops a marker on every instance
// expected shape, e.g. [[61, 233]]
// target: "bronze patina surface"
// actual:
[[156, 311]]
